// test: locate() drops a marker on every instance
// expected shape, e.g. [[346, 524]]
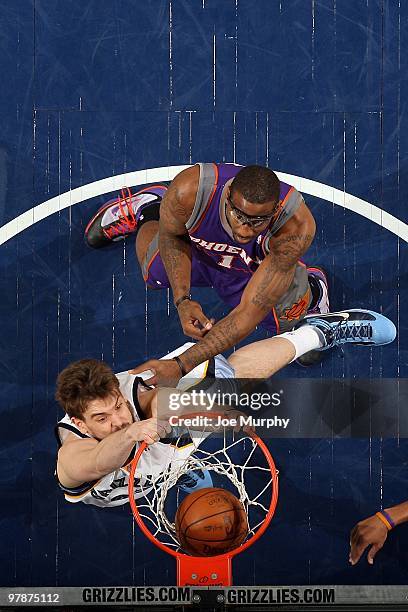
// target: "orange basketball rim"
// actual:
[[215, 570]]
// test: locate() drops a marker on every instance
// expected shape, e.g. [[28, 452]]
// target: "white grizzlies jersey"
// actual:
[[112, 489]]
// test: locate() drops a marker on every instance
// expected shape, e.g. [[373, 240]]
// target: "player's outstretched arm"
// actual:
[[175, 249], [372, 532], [88, 459], [269, 283]]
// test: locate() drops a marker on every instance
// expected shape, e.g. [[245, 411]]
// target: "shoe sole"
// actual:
[[310, 358]]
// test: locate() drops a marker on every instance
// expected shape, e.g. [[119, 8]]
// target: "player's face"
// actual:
[[247, 220], [105, 416]]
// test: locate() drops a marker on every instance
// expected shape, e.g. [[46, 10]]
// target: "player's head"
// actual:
[[89, 393], [252, 202]]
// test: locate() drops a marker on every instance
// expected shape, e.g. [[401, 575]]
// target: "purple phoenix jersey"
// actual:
[[217, 259]]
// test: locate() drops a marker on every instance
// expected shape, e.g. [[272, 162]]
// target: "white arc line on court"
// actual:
[[154, 175]]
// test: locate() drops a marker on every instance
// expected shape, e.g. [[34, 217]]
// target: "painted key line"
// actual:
[[151, 175]]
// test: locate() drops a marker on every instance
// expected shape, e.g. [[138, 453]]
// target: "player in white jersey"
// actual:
[[108, 415], [131, 405]]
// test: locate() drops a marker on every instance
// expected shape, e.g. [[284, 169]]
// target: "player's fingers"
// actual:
[[249, 429], [159, 430], [353, 533], [356, 538], [372, 552], [166, 426], [204, 321], [151, 424], [353, 559], [356, 551], [162, 429], [196, 312], [238, 416], [190, 329], [234, 417], [147, 365], [166, 429], [148, 439], [357, 545], [153, 381], [153, 433]]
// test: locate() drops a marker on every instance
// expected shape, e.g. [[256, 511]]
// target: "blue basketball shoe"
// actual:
[[194, 480], [354, 326]]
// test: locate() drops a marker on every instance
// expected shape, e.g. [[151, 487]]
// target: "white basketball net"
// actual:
[[251, 478]]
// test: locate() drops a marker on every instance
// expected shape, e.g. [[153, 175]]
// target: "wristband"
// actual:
[[182, 299], [180, 365], [386, 519]]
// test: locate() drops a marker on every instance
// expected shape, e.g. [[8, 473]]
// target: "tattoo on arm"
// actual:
[[221, 337], [279, 269], [287, 250], [264, 296], [277, 274], [176, 256], [174, 242]]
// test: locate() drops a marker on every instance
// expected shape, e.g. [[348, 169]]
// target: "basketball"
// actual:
[[211, 521]]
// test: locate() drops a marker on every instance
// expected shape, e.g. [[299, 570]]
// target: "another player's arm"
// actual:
[[372, 532], [87, 459], [174, 241], [175, 248], [269, 283]]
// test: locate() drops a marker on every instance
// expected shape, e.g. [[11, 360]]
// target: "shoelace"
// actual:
[[352, 331], [126, 221]]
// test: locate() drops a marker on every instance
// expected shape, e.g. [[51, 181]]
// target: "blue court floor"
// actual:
[[96, 90]]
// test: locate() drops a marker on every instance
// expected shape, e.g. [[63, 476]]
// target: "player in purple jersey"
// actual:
[[237, 229]]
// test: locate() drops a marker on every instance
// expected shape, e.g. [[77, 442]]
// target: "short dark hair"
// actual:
[[82, 382], [257, 184]]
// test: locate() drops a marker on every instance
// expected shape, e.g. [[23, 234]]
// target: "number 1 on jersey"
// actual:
[[226, 261]]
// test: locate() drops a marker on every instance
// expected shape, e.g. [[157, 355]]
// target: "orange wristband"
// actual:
[[384, 520]]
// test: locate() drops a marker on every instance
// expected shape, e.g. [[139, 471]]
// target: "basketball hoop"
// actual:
[[242, 462]]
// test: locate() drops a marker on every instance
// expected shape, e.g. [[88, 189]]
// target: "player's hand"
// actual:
[[193, 320], [370, 532], [238, 417], [241, 417], [165, 372], [150, 430]]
